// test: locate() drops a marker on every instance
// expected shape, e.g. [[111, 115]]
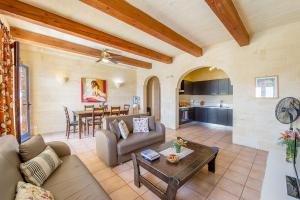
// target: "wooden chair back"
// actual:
[[105, 107], [115, 110], [126, 109], [89, 107], [67, 115]]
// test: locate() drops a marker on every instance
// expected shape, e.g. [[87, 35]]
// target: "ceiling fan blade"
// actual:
[[114, 61]]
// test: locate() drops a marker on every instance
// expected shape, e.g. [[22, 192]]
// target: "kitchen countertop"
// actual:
[[225, 107]]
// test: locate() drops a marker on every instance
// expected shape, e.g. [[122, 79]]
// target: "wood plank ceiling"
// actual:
[[123, 11]]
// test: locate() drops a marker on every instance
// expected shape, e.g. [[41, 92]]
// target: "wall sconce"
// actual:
[[118, 84], [62, 79]]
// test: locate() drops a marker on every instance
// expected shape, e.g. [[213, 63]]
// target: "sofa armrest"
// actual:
[[106, 147], [60, 148], [160, 128]]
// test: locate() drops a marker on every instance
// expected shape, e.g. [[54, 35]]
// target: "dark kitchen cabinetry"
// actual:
[[212, 87], [213, 115], [222, 116], [186, 87]]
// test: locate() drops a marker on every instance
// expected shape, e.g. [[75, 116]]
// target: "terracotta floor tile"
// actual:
[[236, 177], [219, 194], [112, 184], [127, 176], [232, 165], [140, 190], [150, 196], [186, 193], [250, 194], [124, 192], [254, 184], [231, 187], [104, 174]]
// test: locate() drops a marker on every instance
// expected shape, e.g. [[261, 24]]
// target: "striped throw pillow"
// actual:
[[38, 169]]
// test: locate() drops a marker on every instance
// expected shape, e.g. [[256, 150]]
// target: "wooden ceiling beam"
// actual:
[[25, 36], [227, 13], [137, 18], [44, 18]]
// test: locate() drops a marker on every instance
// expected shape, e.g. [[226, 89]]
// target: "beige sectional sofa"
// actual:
[[71, 180], [113, 151]]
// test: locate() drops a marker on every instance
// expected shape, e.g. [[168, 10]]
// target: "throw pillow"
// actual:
[[140, 125], [114, 127], [31, 148], [123, 129], [27, 191], [151, 120], [38, 169]]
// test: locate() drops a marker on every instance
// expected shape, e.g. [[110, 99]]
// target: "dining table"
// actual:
[[89, 113]]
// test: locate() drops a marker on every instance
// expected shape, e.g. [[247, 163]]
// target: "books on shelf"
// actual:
[[150, 154]]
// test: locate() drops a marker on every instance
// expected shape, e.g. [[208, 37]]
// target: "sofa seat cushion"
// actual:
[[136, 141], [72, 180]]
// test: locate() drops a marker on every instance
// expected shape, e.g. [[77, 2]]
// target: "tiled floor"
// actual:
[[239, 171]]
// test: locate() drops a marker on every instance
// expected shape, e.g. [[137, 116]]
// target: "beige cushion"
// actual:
[[114, 127], [72, 180], [27, 191], [123, 129], [31, 148], [136, 141], [38, 169]]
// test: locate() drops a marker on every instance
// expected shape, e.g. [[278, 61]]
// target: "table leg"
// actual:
[[79, 125], [136, 170], [212, 163], [172, 189]]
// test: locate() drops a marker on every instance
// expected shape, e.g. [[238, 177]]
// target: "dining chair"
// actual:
[[106, 111], [96, 119], [69, 123], [115, 110], [126, 109], [86, 119]]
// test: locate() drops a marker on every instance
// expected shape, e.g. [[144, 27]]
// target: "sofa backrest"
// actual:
[[9, 167], [128, 119]]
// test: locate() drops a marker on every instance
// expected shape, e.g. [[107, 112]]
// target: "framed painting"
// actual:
[[93, 90], [266, 87]]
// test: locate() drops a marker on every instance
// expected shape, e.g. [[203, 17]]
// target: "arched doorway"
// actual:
[[205, 87], [152, 99]]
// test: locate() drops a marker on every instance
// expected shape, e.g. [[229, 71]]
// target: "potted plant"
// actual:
[[288, 138], [178, 143]]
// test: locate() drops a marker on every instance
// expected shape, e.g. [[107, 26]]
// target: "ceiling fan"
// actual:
[[108, 57]]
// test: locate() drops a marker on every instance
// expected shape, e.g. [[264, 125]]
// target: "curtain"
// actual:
[[6, 83]]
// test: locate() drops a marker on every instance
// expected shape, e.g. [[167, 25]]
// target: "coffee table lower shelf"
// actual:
[[173, 182]]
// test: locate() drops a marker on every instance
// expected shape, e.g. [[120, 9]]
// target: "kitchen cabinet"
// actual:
[[213, 115], [223, 86], [230, 88], [187, 87], [213, 87], [222, 116]]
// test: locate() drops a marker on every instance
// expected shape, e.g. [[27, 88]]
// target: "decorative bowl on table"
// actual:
[[173, 158]]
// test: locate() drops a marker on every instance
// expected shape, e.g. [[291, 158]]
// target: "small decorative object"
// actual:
[[266, 87], [93, 90], [178, 143], [288, 138], [173, 158]]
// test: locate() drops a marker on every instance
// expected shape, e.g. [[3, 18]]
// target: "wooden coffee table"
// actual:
[[175, 175]]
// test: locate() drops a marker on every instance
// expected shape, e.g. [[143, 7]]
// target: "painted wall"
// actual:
[[272, 52], [49, 94], [204, 74]]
